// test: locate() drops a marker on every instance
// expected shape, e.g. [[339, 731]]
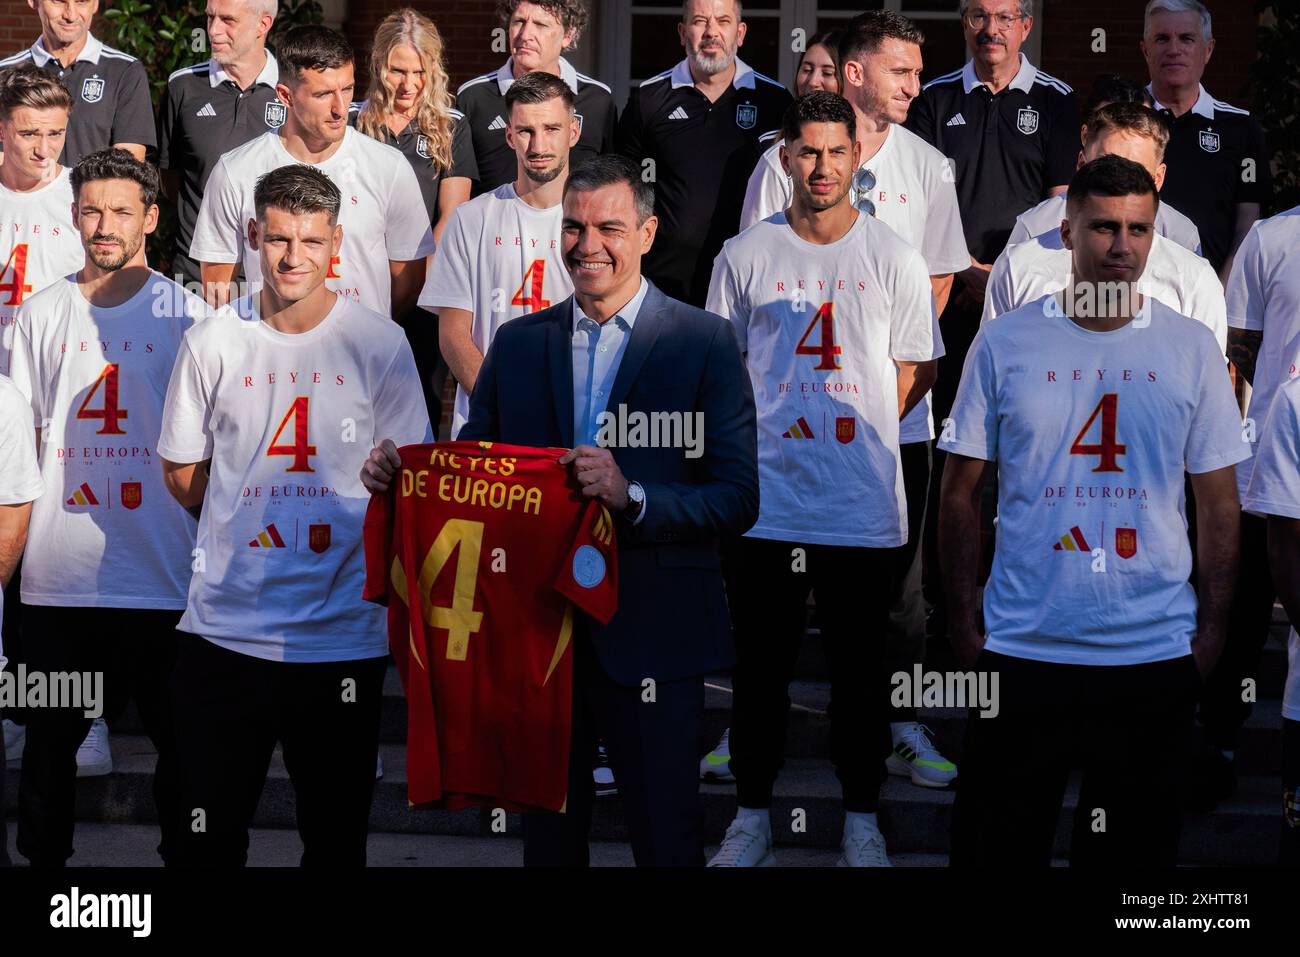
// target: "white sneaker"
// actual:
[[746, 844], [15, 741], [863, 846], [716, 765], [94, 758], [915, 756]]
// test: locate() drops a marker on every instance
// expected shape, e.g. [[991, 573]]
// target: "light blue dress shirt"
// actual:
[[598, 351]]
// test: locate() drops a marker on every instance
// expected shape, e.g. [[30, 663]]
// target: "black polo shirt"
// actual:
[[1009, 149], [204, 114], [483, 101], [414, 145], [110, 97], [703, 156], [1207, 170]]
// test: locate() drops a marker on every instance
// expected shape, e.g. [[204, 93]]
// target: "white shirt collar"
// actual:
[[628, 313], [506, 75], [270, 74], [744, 77], [1022, 81], [89, 52], [1204, 105]]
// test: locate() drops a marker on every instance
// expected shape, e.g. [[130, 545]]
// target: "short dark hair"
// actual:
[[866, 31], [1113, 88], [572, 14], [740, 12], [819, 106], [1133, 118], [297, 189], [538, 87], [1111, 176], [32, 87], [610, 169], [116, 164], [311, 47]]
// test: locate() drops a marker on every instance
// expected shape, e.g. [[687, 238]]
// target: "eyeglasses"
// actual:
[[864, 181], [977, 20]]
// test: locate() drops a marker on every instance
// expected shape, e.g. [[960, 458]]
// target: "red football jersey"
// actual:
[[493, 544]]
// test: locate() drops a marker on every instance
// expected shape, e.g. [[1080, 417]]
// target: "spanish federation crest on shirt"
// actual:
[[1027, 120], [422, 145], [131, 494], [92, 90], [1209, 141], [275, 115], [746, 115]]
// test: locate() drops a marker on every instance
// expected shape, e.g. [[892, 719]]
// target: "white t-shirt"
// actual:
[[1275, 490], [915, 194], [499, 259], [1052, 404], [1183, 281], [821, 326], [38, 244], [287, 421], [1048, 214], [108, 534], [20, 477], [1264, 295], [382, 214]]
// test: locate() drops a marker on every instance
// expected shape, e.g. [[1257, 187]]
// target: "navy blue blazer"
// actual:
[[672, 619]]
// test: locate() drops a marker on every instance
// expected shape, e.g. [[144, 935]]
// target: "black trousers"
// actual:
[[232, 708], [1124, 725], [1223, 711], [905, 645], [421, 330], [135, 650], [1289, 855], [653, 746], [855, 588]]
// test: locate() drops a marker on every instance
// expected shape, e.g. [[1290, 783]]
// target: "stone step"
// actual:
[[1243, 831]]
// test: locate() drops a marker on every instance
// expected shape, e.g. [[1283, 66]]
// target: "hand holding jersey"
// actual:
[[1092, 558]]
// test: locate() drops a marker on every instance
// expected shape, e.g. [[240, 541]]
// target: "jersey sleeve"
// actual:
[[609, 125], [186, 435], [168, 109], [1214, 440], [1062, 145], [463, 161], [407, 233], [589, 575], [768, 190], [911, 315], [449, 282], [377, 533], [1206, 302], [999, 292], [1257, 188], [133, 113], [1275, 476], [973, 429], [20, 477], [1019, 232], [1245, 294], [218, 233], [726, 299], [944, 243], [399, 408], [26, 370]]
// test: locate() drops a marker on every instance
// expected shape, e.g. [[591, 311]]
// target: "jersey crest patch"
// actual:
[[588, 566], [1027, 120], [422, 146], [92, 90], [275, 115], [1209, 141], [746, 116]]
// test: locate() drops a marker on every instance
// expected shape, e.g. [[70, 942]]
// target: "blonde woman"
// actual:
[[410, 108]]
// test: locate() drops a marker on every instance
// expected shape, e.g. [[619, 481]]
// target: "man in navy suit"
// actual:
[[652, 399]]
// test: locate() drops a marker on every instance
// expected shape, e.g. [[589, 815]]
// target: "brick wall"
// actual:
[[1067, 44], [18, 26]]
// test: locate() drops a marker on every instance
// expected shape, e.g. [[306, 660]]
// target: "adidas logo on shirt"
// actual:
[[956, 120], [207, 110], [497, 124], [678, 114]]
